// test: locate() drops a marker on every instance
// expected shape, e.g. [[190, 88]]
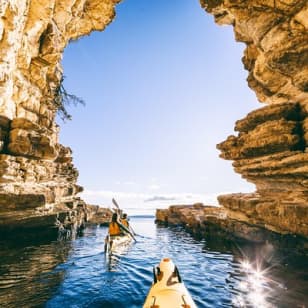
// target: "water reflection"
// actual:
[[255, 287], [112, 260], [217, 273], [26, 276], [263, 276]]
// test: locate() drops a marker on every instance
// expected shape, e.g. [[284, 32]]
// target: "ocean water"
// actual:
[[76, 273]]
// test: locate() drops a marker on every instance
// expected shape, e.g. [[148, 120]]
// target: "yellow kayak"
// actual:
[[168, 290]]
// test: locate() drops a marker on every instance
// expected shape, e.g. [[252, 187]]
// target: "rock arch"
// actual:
[[37, 177]]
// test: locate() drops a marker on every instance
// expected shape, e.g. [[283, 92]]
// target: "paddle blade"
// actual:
[[115, 203]]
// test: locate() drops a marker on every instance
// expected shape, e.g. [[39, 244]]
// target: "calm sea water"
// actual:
[[76, 273]]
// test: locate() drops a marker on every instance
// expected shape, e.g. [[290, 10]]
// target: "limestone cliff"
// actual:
[[214, 223], [270, 149], [276, 36], [37, 177]]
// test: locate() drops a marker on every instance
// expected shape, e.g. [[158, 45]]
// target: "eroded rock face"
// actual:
[[270, 149], [37, 176], [276, 34], [214, 223]]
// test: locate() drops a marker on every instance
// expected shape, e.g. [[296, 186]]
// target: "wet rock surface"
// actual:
[[60, 221], [213, 222]]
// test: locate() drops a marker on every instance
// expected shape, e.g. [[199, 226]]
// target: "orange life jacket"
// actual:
[[124, 222], [114, 229]]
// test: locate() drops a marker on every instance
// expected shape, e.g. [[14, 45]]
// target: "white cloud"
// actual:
[[141, 203], [159, 198], [112, 194]]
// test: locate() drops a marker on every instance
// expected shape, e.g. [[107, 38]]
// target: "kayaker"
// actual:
[[124, 220], [114, 228]]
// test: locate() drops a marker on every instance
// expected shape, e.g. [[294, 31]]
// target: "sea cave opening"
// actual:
[[163, 84]]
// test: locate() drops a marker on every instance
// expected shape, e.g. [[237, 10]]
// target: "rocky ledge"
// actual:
[[215, 222], [270, 150], [59, 220]]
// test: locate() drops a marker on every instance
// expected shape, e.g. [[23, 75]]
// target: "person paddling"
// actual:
[[114, 228], [124, 220], [129, 229]]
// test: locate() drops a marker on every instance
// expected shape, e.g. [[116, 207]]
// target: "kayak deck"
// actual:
[[168, 290], [169, 298]]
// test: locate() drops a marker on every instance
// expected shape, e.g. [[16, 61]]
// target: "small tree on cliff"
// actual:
[[62, 99]]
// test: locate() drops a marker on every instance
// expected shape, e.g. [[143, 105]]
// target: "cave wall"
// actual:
[[270, 146], [37, 175]]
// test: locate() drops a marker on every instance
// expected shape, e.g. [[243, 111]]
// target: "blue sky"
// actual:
[[163, 84]]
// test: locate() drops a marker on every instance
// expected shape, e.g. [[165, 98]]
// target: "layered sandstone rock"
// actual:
[[215, 223], [98, 215], [37, 177], [270, 149], [275, 34]]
